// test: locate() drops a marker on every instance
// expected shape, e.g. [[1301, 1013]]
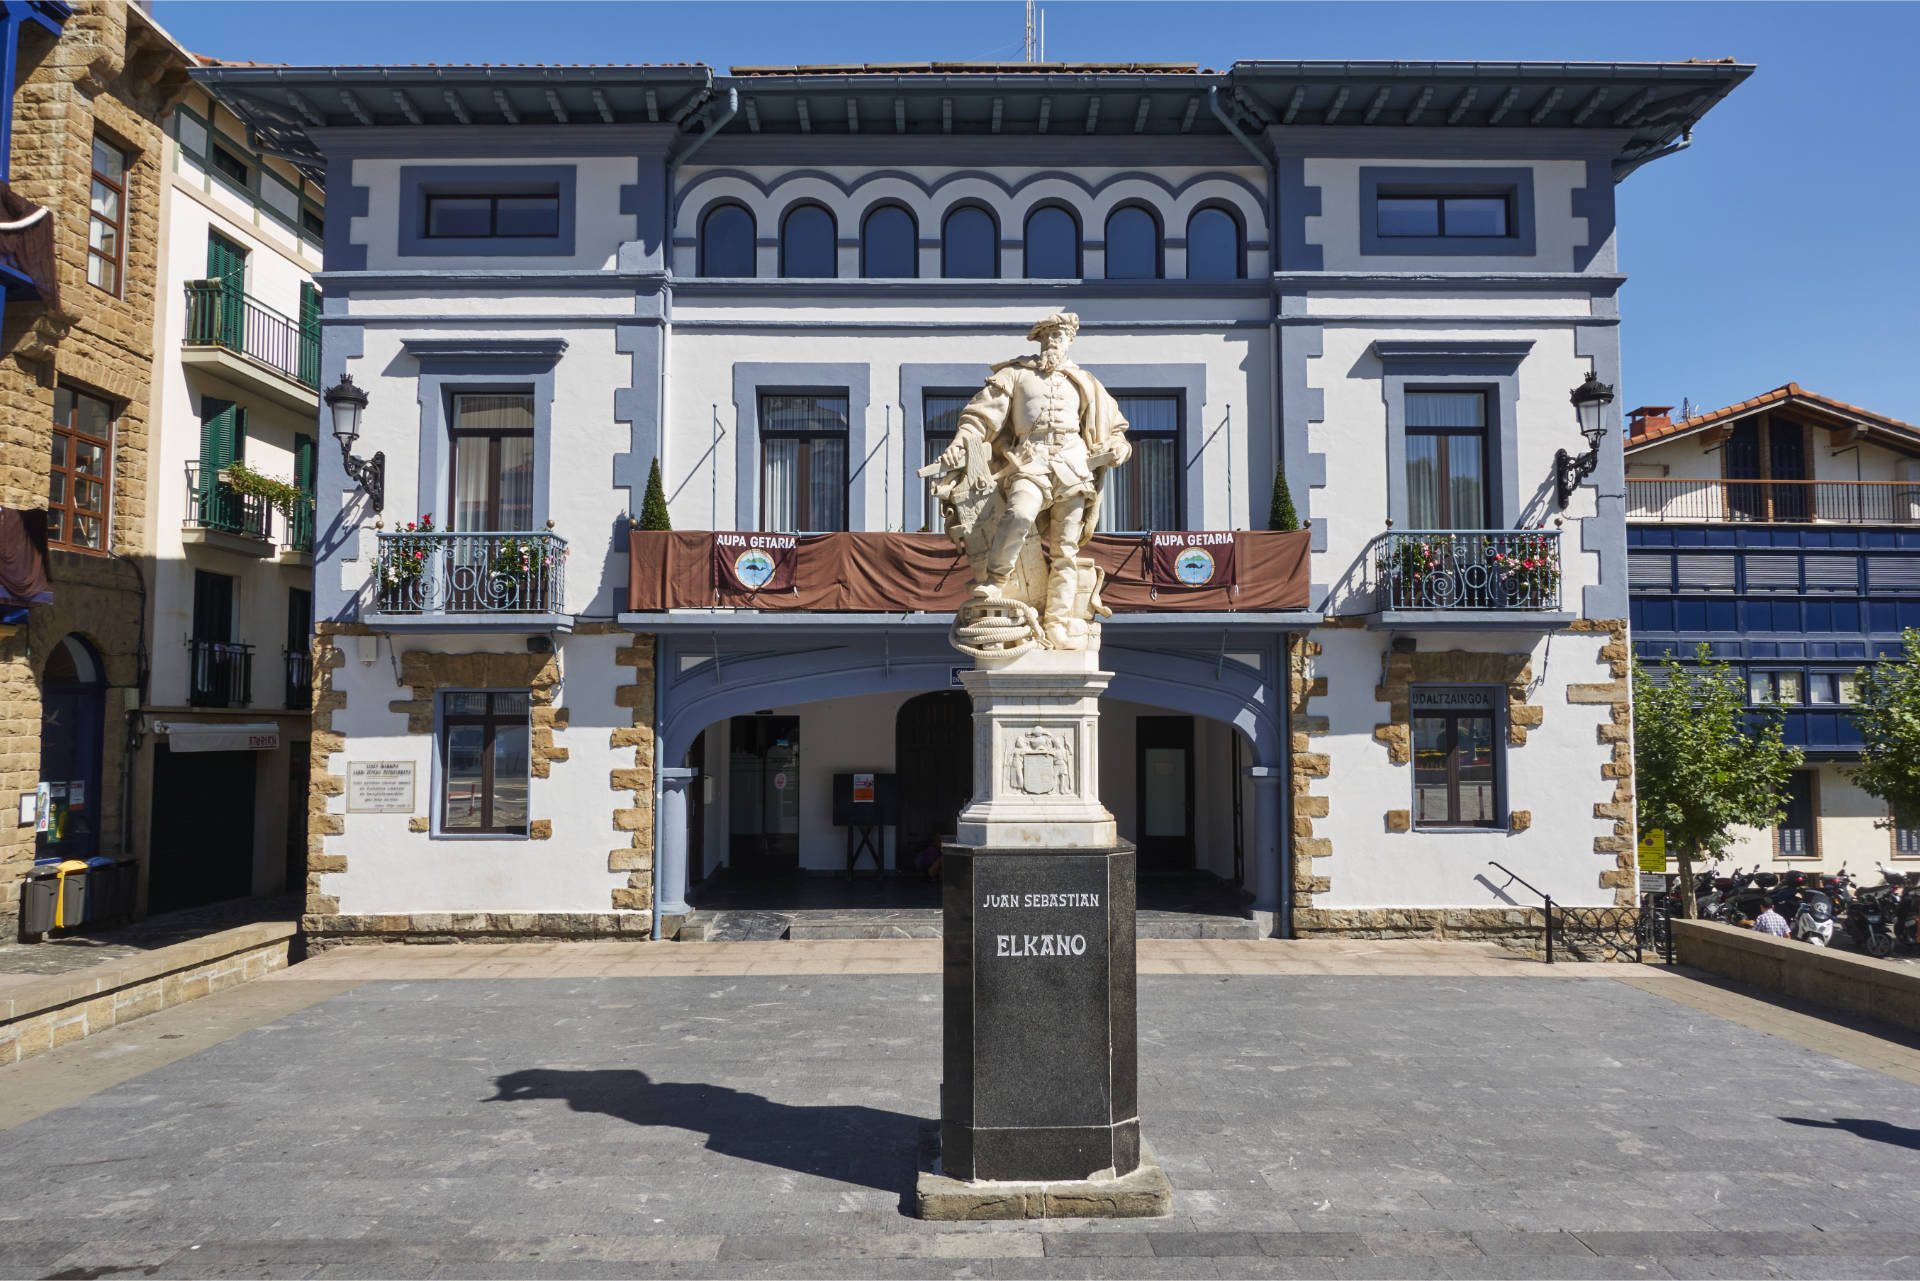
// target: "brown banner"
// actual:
[[755, 562], [1193, 560], [904, 573]]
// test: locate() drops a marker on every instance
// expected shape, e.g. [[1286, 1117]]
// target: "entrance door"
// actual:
[[299, 777], [763, 794], [202, 844], [72, 719], [1163, 773], [697, 810], [1796, 829], [933, 758]]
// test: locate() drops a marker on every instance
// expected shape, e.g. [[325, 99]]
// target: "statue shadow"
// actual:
[[1900, 1136], [867, 1146]]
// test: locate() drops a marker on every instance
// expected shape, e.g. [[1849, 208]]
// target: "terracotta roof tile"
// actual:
[[1790, 391]]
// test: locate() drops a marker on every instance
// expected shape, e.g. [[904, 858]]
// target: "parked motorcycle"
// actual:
[[1799, 897], [1870, 919]]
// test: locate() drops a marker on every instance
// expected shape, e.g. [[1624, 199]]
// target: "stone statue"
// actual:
[[1026, 465]]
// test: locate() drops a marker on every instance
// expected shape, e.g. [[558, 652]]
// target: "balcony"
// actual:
[[219, 674], [299, 680], [1501, 577], [1774, 502], [472, 579], [220, 516], [238, 340]]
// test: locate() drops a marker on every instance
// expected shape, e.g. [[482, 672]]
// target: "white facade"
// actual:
[[256, 671], [588, 300]]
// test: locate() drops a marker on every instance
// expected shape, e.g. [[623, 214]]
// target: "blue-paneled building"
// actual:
[[1784, 533]]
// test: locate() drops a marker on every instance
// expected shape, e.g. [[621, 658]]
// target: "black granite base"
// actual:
[[1040, 1078]]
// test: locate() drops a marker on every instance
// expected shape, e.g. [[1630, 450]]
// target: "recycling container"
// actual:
[[103, 881], [71, 909], [38, 893]]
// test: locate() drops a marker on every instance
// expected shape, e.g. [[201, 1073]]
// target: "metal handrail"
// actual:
[[219, 673], [471, 572], [251, 329], [214, 504], [1776, 502], [299, 679], [1466, 569]]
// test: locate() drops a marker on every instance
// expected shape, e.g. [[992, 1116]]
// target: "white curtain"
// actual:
[[780, 482]]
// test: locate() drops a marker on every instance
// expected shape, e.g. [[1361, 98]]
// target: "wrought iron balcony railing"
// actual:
[[218, 316], [214, 504], [1467, 569], [471, 573], [219, 674], [1780, 502], [299, 679]]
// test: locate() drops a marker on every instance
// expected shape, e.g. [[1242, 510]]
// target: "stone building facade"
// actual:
[[109, 79]]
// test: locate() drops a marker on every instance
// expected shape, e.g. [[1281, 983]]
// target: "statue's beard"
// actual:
[[1051, 359]]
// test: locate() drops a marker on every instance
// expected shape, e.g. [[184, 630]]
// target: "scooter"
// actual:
[[1870, 919]]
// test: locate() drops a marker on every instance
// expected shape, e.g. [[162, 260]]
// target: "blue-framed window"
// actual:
[[940, 415], [1052, 244], [806, 244], [1446, 210], [1216, 245], [1133, 244], [970, 245], [486, 739], [889, 244], [1143, 493], [487, 211], [803, 461], [726, 242]]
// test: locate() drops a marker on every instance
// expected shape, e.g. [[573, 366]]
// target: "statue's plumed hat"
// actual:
[[1058, 320]]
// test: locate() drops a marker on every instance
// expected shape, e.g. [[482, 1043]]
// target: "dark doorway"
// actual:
[[202, 842], [73, 705], [299, 767], [697, 810], [763, 794], [1163, 789], [1797, 838], [933, 757]]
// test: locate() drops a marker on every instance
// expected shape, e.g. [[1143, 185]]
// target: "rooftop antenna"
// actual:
[[1043, 35], [1029, 30]]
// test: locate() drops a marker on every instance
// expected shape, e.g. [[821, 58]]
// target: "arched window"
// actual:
[[969, 245], [1133, 244], [806, 243], [888, 248], [1214, 248], [726, 242], [1053, 244]]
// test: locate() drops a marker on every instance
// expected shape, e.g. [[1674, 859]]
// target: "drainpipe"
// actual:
[[1284, 909], [657, 797]]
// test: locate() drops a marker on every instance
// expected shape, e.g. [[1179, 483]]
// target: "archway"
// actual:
[[73, 704], [933, 765]]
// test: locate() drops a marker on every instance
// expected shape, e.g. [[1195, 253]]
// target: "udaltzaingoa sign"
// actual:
[[1192, 559], [754, 562]]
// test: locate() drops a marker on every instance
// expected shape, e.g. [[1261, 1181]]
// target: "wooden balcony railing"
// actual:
[[1780, 502]]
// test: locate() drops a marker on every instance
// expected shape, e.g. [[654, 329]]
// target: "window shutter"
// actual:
[[1650, 569], [1896, 572], [1834, 573], [1705, 572], [1774, 572], [216, 436], [303, 463]]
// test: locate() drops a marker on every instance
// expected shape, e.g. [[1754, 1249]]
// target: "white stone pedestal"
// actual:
[[1036, 754]]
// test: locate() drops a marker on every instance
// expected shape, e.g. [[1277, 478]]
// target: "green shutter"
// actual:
[[221, 425], [227, 264], [302, 522], [309, 334]]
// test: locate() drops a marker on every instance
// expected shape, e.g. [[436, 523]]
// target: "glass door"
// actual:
[[1163, 768], [763, 794]]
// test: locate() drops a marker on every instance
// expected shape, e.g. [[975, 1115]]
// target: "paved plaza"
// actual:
[[754, 1110]]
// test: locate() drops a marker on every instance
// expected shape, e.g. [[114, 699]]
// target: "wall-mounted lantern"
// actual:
[[346, 401], [1590, 400]]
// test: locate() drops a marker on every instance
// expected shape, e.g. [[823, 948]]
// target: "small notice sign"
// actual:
[[1653, 850], [863, 789], [380, 787], [1653, 882]]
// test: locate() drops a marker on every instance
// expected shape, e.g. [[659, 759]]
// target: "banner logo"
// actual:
[[1194, 566], [753, 568]]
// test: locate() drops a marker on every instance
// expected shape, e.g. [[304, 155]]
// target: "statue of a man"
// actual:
[[1026, 464]]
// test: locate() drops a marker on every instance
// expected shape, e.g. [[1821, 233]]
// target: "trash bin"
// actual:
[[103, 881], [38, 895], [71, 907]]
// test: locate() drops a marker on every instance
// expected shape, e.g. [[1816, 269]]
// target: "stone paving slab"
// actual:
[[24, 963], [765, 1125]]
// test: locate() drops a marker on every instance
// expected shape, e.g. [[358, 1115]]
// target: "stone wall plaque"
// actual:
[[380, 787]]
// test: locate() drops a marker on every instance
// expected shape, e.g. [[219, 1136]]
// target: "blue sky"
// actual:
[[1780, 248]]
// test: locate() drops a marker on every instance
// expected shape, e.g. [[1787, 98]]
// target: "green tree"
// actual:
[[1888, 716], [1280, 514], [653, 510], [1702, 764]]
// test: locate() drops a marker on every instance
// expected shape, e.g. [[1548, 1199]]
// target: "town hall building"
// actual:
[[1395, 284]]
